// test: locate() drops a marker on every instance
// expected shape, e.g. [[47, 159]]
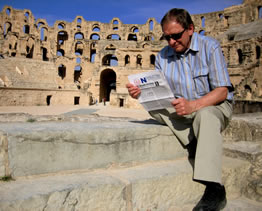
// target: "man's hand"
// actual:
[[183, 106], [133, 91]]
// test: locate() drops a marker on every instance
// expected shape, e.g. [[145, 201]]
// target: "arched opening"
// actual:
[[259, 12], [7, 28], [43, 34], [139, 60], [113, 37], [127, 59], [61, 26], [62, 37], [203, 20], [79, 46], [29, 52], [258, 52], [48, 99], [151, 25], [94, 37], [240, 56], [62, 71], [110, 60], [79, 36], [27, 15], [76, 100], [96, 29], [202, 32], [77, 74], [44, 54], [60, 52], [8, 11], [152, 60], [107, 84], [79, 20], [132, 37], [26, 29]]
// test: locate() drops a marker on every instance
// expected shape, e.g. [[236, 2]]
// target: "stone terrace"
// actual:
[[97, 158]]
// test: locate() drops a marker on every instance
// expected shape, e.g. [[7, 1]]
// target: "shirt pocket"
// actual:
[[201, 82]]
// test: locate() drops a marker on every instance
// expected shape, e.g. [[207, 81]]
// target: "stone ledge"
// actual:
[[159, 186], [49, 147]]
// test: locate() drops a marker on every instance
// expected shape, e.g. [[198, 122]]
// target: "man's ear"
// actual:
[[191, 29]]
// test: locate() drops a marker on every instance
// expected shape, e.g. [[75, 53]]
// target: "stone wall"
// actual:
[[95, 58]]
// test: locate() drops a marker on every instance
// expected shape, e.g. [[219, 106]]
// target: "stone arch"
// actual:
[[203, 21], [152, 60], [258, 52], [62, 36], [61, 25], [79, 47], [96, 28], [60, 52], [132, 37], [8, 11], [127, 60], [43, 33], [259, 12], [77, 74], [44, 54], [240, 56], [139, 60], [79, 36], [79, 20], [202, 32], [30, 48], [110, 60], [26, 29], [151, 24], [134, 29], [62, 71], [115, 22], [27, 14], [40, 24], [94, 36], [7, 28], [107, 84], [113, 37], [110, 47]]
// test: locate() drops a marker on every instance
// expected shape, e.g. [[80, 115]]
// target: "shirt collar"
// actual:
[[193, 46]]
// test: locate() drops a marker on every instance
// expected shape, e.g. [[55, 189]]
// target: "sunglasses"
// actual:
[[174, 36]]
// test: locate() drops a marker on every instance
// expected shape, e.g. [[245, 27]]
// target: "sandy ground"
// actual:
[[99, 109]]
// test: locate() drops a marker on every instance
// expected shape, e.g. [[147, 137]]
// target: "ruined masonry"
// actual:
[[85, 162], [96, 163], [84, 61]]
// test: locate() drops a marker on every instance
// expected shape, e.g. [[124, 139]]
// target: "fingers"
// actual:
[[133, 91], [182, 106]]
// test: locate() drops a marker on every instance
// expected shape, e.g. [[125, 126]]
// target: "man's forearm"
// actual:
[[212, 98]]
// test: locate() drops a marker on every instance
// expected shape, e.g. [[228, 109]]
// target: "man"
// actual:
[[196, 72]]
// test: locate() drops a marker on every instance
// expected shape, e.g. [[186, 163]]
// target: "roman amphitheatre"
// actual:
[[81, 62], [107, 158]]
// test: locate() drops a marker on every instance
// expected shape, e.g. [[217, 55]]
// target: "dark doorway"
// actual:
[[48, 99], [77, 100], [121, 102], [107, 84]]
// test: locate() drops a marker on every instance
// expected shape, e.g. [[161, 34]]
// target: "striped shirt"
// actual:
[[198, 71]]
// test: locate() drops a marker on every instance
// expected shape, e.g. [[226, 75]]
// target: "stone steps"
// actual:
[[32, 148], [101, 163], [159, 185]]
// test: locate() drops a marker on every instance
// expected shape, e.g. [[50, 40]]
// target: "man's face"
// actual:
[[178, 44]]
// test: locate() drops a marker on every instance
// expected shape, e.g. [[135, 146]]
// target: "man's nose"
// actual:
[[172, 41]]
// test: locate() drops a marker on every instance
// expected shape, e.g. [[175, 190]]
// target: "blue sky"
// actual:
[[128, 11]]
